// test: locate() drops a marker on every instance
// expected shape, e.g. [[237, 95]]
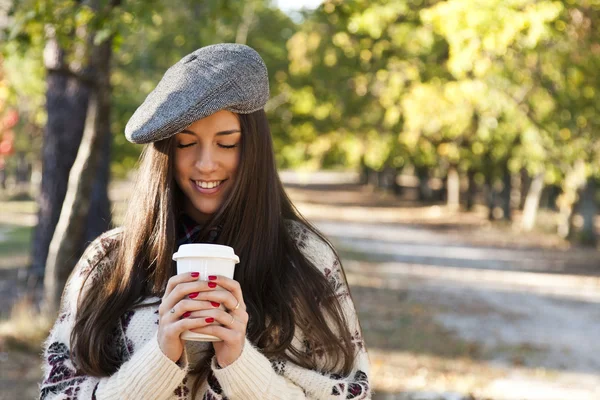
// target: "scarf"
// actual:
[[188, 231]]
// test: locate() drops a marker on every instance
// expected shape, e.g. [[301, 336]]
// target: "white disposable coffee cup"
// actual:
[[207, 259]]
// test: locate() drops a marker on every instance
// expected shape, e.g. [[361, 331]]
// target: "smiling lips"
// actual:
[[207, 184], [208, 187]]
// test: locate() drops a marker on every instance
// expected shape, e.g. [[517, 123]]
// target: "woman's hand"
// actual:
[[233, 320], [178, 304]]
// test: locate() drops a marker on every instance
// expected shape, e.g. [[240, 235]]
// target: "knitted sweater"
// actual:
[[147, 373]]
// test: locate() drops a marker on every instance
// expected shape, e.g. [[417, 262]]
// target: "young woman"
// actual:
[[288, 329]]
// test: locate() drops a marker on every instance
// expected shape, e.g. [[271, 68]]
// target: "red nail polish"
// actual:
[[186, 314], [214, 304], [209, 320], [194, 295], [212, 277], [195, 274], [212, 285]]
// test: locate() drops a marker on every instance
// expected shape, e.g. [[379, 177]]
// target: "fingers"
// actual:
[[179, 289], [200, 324], [196, 305], [187, 308], [223, 333], [175, 281], [223, 317], [181, 278], [233, 287]]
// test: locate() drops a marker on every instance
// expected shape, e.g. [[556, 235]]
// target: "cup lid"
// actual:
[[206, 250]]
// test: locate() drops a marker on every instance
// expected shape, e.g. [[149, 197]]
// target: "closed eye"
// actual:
[[223, 146]]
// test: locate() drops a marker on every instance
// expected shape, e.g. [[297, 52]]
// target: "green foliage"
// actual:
[[17, 241], [478, 84], [481, 84]]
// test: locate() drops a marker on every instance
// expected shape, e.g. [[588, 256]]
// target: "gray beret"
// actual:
[[223, 76]]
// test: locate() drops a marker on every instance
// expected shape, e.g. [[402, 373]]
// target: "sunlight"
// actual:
[[392, 275], [395, 371]]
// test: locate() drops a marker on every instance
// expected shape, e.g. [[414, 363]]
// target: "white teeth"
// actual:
[[208, 185]]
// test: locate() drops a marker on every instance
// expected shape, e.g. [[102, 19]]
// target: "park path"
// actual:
[[523, 307]]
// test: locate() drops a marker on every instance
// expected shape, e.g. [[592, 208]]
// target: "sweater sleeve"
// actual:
[[147, 374], [253, 376]]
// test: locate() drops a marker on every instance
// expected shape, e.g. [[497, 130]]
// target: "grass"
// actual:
[[19, 207], [16, 240], [26, 329], [392, 321]]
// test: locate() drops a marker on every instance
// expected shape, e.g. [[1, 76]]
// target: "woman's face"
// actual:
[[206, 159]]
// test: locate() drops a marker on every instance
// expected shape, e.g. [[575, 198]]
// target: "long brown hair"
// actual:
[[281, 287]]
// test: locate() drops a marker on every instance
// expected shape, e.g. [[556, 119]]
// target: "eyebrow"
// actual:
[[221, 133]]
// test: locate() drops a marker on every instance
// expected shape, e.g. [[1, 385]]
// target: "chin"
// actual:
[[206, 210]]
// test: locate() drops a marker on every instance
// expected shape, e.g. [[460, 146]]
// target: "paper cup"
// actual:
[[207, 259]]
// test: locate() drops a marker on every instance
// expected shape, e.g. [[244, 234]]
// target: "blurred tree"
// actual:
[[542, 58], [60, 27], [487, 88], [77, 59], [350, 65], [74, 218], [23, 92]]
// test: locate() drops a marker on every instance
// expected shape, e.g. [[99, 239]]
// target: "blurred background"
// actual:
[[449, 149]]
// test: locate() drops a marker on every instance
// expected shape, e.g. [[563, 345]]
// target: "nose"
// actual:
[[206, 162]]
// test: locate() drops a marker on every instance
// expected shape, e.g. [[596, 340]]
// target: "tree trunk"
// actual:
[[506, 194], [23, 170], [491, 197], [425, 191], [66, 104], [373, 178], [246, 23], [471, 191], [387, 179], [364, 171], [397, 188], [532, 202], [524, 184], [441, 194], [3, 174], [575, 179], [71, 228], [100, 217], [588, 209], [381, 180], [453, 189]]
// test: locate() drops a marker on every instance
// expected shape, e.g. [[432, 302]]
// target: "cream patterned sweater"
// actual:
[[147, 373]]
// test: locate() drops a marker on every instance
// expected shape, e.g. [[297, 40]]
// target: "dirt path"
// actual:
[[523, 320]]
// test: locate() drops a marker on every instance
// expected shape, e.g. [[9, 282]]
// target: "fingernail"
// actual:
[[209, 320], [214, 304], [195, 274], [186, 314], [212, 285], [193, 295], [212, 277]]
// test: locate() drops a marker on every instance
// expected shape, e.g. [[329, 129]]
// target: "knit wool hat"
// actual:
[[225, 76]]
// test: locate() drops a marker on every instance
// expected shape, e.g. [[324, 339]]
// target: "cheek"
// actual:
[[180, 169], [233, 162]]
